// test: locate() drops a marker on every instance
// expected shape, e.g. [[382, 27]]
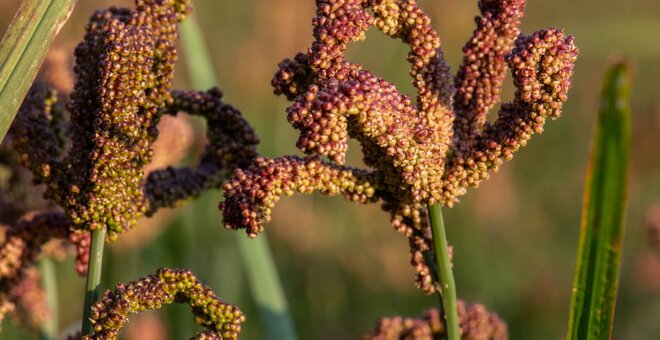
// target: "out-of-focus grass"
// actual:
[[259, 266], [342, 265]]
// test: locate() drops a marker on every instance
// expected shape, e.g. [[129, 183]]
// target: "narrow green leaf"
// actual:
[[198, 61], [18, 36], [601, 233], [257, 259], [266, 287], [23, 49]]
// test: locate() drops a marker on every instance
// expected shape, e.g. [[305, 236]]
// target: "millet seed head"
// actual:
[[474, 320], [111, 312], [419, 152], [124, 70]]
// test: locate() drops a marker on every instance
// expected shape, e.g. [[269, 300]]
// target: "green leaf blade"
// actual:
[[24, 48], [601, 232], [18, 36]]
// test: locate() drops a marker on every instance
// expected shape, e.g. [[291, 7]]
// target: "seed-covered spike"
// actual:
[[293, 77], [425, 152], [39, 119], [480, 76], [124, 69], [111, 312], [22, 243], [429, 71], [475, 321], [542, 66], [252, 193]]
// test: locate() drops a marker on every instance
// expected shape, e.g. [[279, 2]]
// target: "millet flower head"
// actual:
[[110, 313], [422, 151], [124, 69], [476, 323]]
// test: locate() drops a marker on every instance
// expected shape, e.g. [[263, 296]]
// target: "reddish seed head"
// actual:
[[421, 152]]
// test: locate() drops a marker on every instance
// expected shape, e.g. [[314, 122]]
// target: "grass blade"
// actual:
[[23, 49], [257, 259], [265, 287], [200, 67], [18, 36], [601, 233]]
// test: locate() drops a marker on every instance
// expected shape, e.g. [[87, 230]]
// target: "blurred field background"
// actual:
[[343, 266]]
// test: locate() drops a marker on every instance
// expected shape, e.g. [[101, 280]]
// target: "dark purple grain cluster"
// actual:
[[111, 312], [476, 323], [124, 70], [422, 151], [231, 145]]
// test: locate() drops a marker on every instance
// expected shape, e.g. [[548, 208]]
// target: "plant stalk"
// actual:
[[48, 331], [446, 282], [93, 277]]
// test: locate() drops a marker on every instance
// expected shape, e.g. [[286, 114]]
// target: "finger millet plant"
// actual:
[[420, 153]]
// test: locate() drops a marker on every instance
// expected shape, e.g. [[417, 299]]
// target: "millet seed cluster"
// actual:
[[110, 313], [419, 152], [124, 69], [475, 321]]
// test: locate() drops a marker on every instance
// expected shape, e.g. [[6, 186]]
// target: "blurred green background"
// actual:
[[343, 266]]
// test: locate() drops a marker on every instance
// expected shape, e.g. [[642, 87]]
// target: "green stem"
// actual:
[[447, 290], [93, 277], [265, 287], [49, 281]]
